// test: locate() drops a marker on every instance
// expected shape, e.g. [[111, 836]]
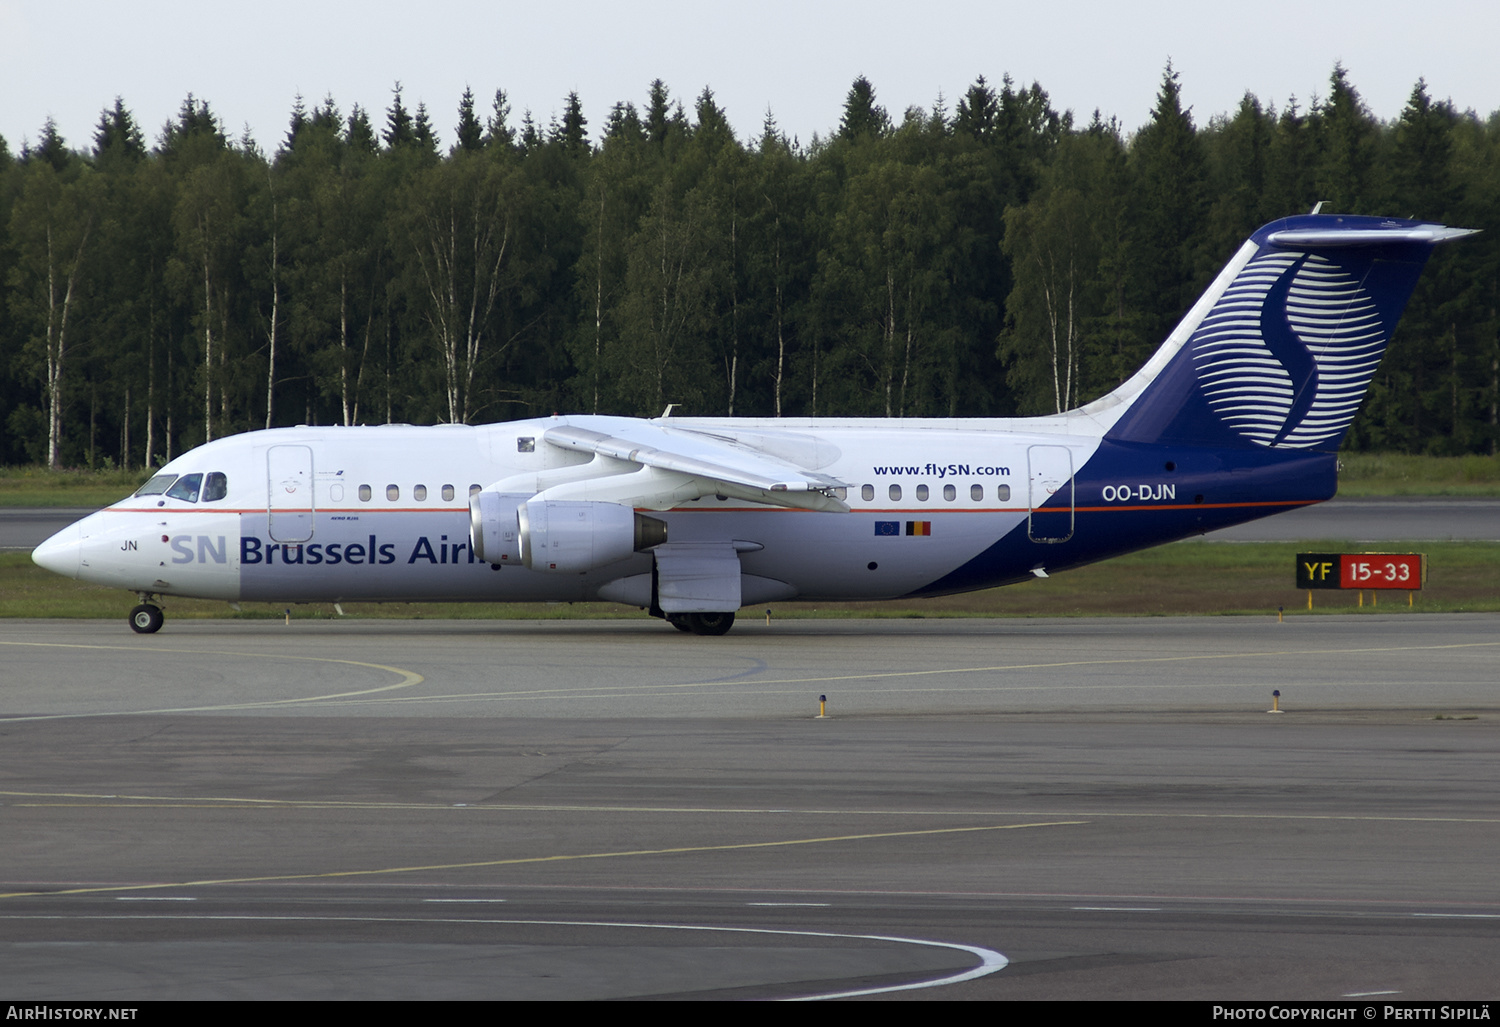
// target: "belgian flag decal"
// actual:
[[919, 527]]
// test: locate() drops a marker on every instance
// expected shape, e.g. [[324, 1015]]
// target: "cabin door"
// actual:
[[289, 481], [1050, 493]]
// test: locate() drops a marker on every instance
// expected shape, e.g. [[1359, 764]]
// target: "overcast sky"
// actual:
[[69, 60]]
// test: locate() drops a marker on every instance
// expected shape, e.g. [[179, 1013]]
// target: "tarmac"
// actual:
[[1082, 808]]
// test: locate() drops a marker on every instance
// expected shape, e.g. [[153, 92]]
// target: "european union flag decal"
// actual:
[[887, 527]]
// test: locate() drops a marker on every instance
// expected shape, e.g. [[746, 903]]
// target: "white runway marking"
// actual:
[[1461, 916], [990, 961]]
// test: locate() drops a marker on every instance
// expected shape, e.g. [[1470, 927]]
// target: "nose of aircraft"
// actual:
[[60, 553]]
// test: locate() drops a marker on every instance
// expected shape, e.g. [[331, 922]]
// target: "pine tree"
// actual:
[[49, 148], [624, 123], [531, 136], [359, 133], [469, 132], [712, 132], [117, 138], [196, 136], [862, 116], [1421, 157], [298, 122], [1428, 367], [571, 134], [1171, 189], [1290, 186], [658, 112], [398, 124], [424, 137], [1240, 151], [1347, 137], [497, 132], [977, 111], [326, 118]]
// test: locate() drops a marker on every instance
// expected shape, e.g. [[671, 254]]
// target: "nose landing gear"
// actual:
[[147, 618]]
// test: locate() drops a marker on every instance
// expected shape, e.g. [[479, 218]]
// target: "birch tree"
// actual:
[[50, 229], [462, 218], [208, 221], [667, 307], [1045, 241]]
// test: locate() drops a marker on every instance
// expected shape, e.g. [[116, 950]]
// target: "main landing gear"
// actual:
[[702, 623], [146, 619]]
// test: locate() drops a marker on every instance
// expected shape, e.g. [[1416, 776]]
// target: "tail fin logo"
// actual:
[[1286, 354]]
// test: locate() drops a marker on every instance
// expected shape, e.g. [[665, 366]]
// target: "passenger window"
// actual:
[[364, 493], [186, 488], [473, 490], [976, 493], [1003, 493], [419, 493], [526, 445], [157, 485], [393, 492], [921, 493], [895, 492], [950, 493], [215, 487], [867, 493], [447, 493]]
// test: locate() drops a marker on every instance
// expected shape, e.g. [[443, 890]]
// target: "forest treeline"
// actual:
[[995, 258]]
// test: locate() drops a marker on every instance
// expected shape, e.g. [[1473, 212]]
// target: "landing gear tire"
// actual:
[[709, 623], [679, 621], [146, 619]]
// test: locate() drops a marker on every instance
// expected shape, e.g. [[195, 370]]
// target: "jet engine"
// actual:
[[573, 537], [558, 536], [492, 526]]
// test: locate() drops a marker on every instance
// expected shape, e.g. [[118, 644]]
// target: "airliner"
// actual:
[[1238, 415]]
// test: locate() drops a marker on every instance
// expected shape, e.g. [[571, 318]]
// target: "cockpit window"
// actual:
[[157, 485], [215, 486], [186, 488]]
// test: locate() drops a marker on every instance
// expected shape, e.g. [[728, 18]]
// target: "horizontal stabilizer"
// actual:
[[1323, 238]]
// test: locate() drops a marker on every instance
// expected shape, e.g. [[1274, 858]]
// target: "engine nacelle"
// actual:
[[574, 537], [493, 532]]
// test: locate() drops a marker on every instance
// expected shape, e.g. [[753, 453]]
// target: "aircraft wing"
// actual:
[[697, 454], [716, 463]]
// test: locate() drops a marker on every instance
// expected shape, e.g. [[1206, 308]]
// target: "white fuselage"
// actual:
[[382, 513]]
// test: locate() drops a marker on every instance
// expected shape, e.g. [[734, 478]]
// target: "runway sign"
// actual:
[[1406, 571]]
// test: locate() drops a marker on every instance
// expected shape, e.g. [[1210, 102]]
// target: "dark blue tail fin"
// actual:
[[1279, 351]]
